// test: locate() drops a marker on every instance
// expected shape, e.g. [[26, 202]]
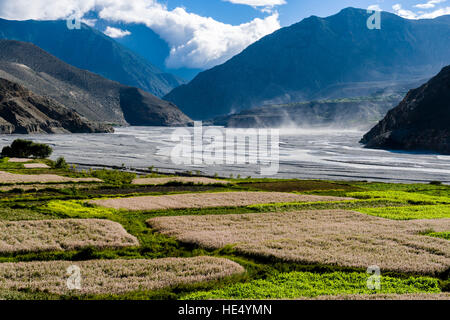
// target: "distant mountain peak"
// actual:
[[319, 58]]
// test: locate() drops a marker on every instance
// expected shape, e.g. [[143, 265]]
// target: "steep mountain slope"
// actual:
[[91, 50], [24, 112], [91, 95], [420, 122], [355, 112], [320, 58]]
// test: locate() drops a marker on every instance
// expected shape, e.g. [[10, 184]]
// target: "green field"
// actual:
[[264, 278], [310, 285]]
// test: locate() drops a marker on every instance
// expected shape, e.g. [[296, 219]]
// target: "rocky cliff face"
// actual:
[[420, 122], [23, 112]]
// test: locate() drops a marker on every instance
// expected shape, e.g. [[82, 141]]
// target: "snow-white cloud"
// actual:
[[265, 6], [89, 22], [116, 33], [374, 7], [195, 41], [258, 3], [408, 14], [429, 5], [44, 9], [435, 13]]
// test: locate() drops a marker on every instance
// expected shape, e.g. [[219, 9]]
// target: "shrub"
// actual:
[[26, 149], [61, 164]]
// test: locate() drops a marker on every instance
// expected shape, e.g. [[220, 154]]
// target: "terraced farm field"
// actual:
[[116, 276], [186, 180], [332, 237], [154, 236], [67, 234], [208, 200], [10, 178]]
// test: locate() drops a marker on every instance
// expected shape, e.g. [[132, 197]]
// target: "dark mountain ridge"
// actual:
[[420, 122], [91, 95], [89, 49], [319, 58], [23, 112]]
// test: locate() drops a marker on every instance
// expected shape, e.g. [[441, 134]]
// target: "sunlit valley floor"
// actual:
[[321, 153]]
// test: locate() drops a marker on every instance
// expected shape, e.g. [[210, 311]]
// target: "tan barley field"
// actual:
[[68, 234], [115, 276], [161, 181], [36, 166], [6, 177], [333, 237], [19, 160], [207, 200]]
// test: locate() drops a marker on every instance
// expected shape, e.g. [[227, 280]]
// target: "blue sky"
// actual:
[[200, 34], [291, 12]]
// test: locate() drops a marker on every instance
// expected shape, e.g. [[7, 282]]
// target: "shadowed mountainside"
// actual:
[[91, 95], [24, 112], [420, 122], [89, 49]]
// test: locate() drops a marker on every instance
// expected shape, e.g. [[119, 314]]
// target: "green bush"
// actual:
[[61, 164], [26, 149]]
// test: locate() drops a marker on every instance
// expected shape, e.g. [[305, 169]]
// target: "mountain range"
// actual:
[[320, 58], [420, 122], [89, 49], [90, 95]]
